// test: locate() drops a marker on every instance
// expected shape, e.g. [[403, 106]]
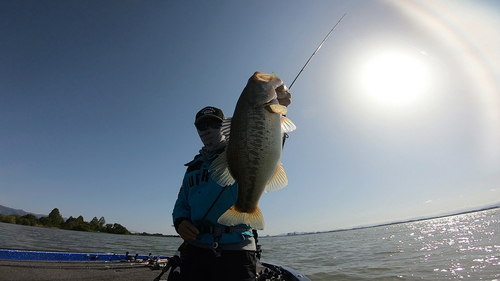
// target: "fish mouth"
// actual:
[[268, 83], [272, 101]]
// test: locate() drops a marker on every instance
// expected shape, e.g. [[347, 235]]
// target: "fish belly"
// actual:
[[253, 155]]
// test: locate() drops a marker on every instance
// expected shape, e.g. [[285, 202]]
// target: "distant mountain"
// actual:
[[6, 211]]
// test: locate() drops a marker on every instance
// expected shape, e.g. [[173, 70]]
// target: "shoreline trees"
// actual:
[[55, 220]]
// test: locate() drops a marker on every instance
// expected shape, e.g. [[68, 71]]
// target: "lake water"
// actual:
[[458, 247]]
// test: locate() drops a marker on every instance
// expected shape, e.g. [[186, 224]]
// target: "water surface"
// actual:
[[458, 247]]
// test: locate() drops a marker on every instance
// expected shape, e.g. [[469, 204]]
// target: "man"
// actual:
[[213, 251]]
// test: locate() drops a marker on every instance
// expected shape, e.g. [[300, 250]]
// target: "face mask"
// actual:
[[212, 138]]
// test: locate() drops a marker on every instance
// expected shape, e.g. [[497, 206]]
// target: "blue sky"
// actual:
[[398, 114]]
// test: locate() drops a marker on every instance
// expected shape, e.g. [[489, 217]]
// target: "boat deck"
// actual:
[[53, 270]]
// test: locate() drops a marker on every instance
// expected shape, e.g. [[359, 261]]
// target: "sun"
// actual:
[[394, 79]]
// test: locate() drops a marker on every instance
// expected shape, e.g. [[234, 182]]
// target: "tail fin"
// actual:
[[233, 217]]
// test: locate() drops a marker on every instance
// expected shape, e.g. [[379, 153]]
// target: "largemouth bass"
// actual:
[[253, 153]]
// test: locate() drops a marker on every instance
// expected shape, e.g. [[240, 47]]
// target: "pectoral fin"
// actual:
[[278, 181], [278, 108], [287, 125]]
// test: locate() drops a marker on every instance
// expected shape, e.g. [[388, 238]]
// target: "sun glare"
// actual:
[[394, 80]]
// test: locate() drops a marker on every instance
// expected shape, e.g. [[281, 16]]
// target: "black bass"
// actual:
[[253, 153]]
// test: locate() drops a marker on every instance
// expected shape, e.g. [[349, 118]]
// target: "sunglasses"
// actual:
[[205, 126]]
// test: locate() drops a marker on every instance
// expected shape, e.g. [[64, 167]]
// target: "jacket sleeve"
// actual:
[[182, 210]]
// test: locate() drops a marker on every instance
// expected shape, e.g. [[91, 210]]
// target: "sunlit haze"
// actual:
[[393, 79]]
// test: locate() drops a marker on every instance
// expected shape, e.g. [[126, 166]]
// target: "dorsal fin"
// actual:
[[226, 128]]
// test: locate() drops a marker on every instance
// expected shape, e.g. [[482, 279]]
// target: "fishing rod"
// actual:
[[285, 135], [315, 51]]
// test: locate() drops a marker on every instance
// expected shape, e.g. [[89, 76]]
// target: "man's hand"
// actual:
[[187, 230], [284, 96]]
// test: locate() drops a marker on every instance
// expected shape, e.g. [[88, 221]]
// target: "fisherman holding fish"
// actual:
[[216, 210]]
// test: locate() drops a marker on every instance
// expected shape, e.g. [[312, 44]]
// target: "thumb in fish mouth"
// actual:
[[284, 96]]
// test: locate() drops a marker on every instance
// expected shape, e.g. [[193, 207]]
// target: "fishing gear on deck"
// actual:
[[173, 263]]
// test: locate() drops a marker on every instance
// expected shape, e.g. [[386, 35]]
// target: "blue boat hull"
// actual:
[[66, 256]]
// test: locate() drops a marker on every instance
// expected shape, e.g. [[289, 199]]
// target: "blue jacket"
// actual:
[[198, 192]]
